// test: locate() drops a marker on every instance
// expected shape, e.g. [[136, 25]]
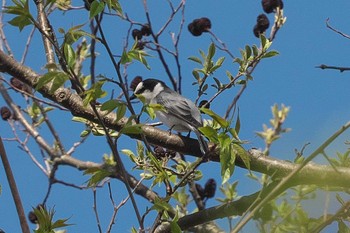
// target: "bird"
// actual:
[[177, 112]]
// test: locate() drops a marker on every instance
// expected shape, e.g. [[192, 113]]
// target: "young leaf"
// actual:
[[222, 122], [110, 105], [96, 8]]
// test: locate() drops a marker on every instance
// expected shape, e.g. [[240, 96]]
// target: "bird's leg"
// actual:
[[171, 128]]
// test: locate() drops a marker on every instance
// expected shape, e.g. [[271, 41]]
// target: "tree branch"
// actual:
[[326, 67], [14, 190], [310, 174]]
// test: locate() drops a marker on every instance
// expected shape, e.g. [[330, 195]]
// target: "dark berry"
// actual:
[[210, 188], [204, 103], [200, 191], [198, 26], [5, 113], [136, 34], [194, 30], [204, 24], [146, 30], [159, 151], [256, 31], [135, 82], [32, 217], [263, 22], [270, 5], [170, 153], [18, 84]]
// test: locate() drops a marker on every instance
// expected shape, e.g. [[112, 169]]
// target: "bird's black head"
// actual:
[[149, 88]]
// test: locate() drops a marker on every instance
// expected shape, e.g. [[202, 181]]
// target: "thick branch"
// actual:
[[310, 174]]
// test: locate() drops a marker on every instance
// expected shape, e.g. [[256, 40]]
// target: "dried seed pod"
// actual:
[[159, 152], [135, 82], [146, 30], [18, 84], [136, 34], [5, 113], [32, 217], [262, 23], [270, 5], [198, 26], [210, 188], [200, 191]]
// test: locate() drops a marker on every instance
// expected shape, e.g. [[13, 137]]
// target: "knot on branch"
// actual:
[[61, 95]]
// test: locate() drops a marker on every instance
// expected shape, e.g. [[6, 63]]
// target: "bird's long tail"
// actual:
[[203, 144]]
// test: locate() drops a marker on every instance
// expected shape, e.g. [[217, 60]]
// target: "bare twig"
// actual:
[[13, 187], [94, 206], [326, 67], [335, 30]]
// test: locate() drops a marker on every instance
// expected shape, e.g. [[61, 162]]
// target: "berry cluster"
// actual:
[[262, 23], [137, 34], [208, 191], [160, 152], [198, 26], [270, 6]]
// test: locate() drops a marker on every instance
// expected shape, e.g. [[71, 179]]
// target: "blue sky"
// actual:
[[318, 98]]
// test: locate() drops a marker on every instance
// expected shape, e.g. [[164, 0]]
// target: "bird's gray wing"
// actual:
[[179, 107], [185, 110]]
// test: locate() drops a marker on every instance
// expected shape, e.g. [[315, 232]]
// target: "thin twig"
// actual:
[[327, 67], [94, 207], [335, 30], [13, 187]]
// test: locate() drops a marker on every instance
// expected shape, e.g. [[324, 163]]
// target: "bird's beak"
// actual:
[[133, 97]]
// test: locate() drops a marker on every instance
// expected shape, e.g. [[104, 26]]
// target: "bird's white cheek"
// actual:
[[148, 97]]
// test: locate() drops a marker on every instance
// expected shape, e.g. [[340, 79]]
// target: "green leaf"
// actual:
[[97, 176], [110, 105], [161, 205], [238, 124], [20, 21], [227, 161], [196, 59], [85, 133], [222, 122], [57, 78], [242, 153], [58, 82], [255, 50], [121, 112], [96, 8], [248, 51], [69, 55], [271, 53], [94, 93], [211, 51], [210, 133], [132, 129]]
